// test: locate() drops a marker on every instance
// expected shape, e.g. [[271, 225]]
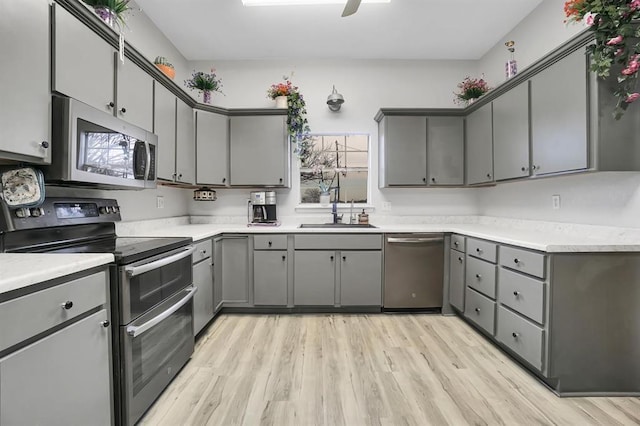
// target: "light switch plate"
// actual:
[[555, 202], [386, 206], [160, 202]]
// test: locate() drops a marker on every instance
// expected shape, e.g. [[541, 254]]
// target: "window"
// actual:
[[338, 164]]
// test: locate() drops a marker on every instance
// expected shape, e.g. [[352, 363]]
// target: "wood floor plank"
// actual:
[[361, 370]]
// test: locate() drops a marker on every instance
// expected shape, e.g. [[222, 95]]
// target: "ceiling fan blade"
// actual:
[[351, 7]]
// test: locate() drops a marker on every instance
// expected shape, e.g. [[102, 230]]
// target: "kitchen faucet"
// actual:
[[334, 208]]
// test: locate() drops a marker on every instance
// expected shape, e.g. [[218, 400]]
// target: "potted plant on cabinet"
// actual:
[[297, 124], [205, 83], [165, 66], [110, 11], [470, 90]]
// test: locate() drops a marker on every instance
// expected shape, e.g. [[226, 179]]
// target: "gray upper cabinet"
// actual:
[[83, 66], [212, 149], [445, 148], [361, 278], [164, 127], [185, 144], [134, 96], [479, 135], [559, 116], [259, 151], [403, 150], [511, 134], [24, 112]]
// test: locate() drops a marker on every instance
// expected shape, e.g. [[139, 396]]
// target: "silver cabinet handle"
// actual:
[[132, 271], [415, 240], [515, 335], [137, 330], [516, 294]]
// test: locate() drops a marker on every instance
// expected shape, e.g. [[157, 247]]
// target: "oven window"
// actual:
[[148, 289], [153, 350], [105, 152]]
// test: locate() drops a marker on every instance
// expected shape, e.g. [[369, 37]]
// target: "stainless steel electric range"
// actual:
[[151, 289]]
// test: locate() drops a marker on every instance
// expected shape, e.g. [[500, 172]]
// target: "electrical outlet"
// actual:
[[160, 202], [555, 202], [386, 206]]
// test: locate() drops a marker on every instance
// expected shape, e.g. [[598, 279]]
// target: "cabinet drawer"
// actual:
[[480, 309], [521, 336], [458, 242], [526, 261], [338, 242], [270, 242], [203, 250], [26, 316], [482, 249], [481, 276], [522, 294]]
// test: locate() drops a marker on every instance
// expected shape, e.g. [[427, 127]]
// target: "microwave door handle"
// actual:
[[147, 168], [264, 213], [136, 330], [132, 271]]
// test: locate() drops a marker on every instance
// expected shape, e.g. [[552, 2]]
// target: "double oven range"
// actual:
[[151, 290]]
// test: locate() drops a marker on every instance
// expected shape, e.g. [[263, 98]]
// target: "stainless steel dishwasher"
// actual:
[[413, 271]]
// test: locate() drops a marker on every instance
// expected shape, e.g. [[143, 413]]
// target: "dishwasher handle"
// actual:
[[417, 240]]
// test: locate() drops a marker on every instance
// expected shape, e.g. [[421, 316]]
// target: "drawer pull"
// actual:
[[477, 310], [515, 335], [516, 261], [331, 258], [105, 323], [344, 258], [516, 293], [455, 243], [478, 276], [67, 305], [460, 259], [270, 243], [284, 258], [479, 250], [203, 251]]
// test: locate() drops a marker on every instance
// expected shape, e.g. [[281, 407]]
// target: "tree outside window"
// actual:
[[338, 164]]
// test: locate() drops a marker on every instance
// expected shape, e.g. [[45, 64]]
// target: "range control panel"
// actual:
[[60, 212]]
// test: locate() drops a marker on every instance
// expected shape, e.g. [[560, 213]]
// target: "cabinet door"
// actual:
[[203, 299], [559, 116], [83, 65], [314, 278], [445, 150], [479, 136], [405, 150], [511, 134], [62, 379], [235, 269], [361, 278], [24, 110], [134, 95], [164, 127], [270, 277], [259, 151], [456, 279], [185, 144], [212, 148], [217, 274]]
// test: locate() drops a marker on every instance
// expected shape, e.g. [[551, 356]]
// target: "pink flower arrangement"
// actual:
[[281, 89], [615, 40], [632, 97], [471, 88]]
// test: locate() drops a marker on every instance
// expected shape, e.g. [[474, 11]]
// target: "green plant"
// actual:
[[616, 44], [471, 88], [108, 9], [161, 60], [297, 124], [204, 82]]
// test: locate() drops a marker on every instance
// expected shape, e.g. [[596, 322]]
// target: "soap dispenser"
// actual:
[[363, 218]]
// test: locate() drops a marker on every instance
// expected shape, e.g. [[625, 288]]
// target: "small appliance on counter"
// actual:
[[262, 209]]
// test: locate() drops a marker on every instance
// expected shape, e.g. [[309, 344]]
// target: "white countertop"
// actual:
[[22, 270], [552, 242]]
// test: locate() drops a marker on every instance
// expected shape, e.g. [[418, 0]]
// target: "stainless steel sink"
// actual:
[[336, 225]]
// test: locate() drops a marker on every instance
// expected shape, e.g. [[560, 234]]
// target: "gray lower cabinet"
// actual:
[[445, 150], [481, 310], [217, 275], [203, 303], [456, 279], [270, 277], [259, 151], [403, 150], [314, 278], [164, 126], [24, 111], [212, 149], [559, 123], [235, 269], [479, 143], [360, 278], [511, 134], [185, 144], [61, 379]]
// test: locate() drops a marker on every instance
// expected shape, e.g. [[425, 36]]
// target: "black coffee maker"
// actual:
[[262, 207]]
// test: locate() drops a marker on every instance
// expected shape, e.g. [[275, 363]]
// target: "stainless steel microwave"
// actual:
[[93, 148]]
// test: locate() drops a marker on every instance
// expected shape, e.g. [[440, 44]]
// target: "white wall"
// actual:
[[367, 85]]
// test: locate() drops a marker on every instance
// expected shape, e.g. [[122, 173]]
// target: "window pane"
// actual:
[[358, 143], [353, 186], [357, 159]]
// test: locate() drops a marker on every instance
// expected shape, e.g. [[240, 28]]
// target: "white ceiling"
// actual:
[[402, 29]]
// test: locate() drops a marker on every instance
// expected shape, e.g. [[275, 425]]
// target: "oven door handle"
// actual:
[[136, 330], [132, 271]]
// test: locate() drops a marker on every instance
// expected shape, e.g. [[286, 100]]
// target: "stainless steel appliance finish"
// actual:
[[413, 271], [92, 147], [262, 207]]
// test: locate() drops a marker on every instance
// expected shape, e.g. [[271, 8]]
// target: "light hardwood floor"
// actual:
[[357, 370]]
